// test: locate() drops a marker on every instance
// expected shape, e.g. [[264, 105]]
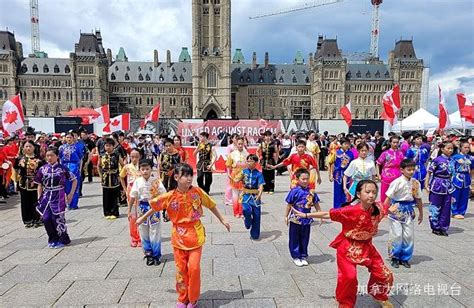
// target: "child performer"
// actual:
[[166, 163], [206, 158], [389, 161], [300, 160], [179, 147], [338, 163], [302, 198], [440, 188], [70, 155], [184, 206], [268, 153], [420, 155], [361, 168], [236, 162], [463, 168], [404, 192], [143, 190], [354, 245], [108, 169], [51, 179], [251, 196], [129, 173]]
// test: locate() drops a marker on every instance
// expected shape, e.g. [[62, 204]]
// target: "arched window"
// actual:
[[175, 78], [46, 110], [58, 111], [140, 77], [211, 77], [67, 70], [410, 111], [357, 114], [90, 95], [25, 96], [34, 96], [161, 78], [45, 69], [69, 108], [401, 113], [49, 96], [376, 114], [325, 113], [67, 96], [147, 77], [35, 68], [366, 114], [59, 95], [334, 113], [35, 110], [294, 79], [127, 77], [112, 76], [148, 101], [56, 69], [82, 95], [37, 96]]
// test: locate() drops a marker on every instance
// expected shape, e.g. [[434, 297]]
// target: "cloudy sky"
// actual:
[[442, 31]]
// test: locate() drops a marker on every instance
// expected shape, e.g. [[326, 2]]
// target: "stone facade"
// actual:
[[210, 83]]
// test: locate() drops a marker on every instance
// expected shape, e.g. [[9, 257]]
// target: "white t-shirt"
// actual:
[[141, 189], [403, 189], [361, 169]]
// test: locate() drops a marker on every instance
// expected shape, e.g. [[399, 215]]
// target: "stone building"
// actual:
[[211, 83]]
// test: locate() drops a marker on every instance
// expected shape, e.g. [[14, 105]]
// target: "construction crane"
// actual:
[[374, 36], [304, 6], [35, 36]]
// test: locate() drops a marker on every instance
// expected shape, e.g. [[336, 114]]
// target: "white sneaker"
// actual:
[[298, 262], [304, 262]]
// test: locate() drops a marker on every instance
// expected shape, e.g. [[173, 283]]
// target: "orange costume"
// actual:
[[354, 247], [131, 173], [236, 162], [182, 153], [187, 236]]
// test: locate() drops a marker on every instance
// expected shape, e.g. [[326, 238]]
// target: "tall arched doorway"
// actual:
[[212, 114]]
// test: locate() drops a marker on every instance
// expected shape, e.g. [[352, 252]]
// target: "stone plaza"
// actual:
[[100, 268]]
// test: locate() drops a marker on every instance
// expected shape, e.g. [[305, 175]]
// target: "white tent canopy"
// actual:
[[457, 122], [419, 120]]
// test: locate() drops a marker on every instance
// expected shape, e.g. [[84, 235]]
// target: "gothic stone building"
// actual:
[[210, 83]]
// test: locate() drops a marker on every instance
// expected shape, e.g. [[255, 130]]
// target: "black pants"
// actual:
[[90, 170], [3, 189], [204, 180], [168, 182], [110, 201], [83, 176], [28, 201], [322, 160], [269, 178]]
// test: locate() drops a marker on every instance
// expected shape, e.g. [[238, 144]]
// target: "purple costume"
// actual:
[[441, 189], [52, 202]]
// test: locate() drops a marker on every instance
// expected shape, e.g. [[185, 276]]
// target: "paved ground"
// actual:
[[99, 268]]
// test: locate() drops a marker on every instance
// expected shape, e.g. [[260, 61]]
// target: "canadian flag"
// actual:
[[12, 115], [121, 122], [391, 105], [466, 109], [346, 113], [152, 116], [443, 118], [103, 117]]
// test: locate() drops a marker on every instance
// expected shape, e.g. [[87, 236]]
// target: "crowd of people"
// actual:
[[150, 175]]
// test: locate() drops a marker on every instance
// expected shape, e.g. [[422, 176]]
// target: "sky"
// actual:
[[442, 31]]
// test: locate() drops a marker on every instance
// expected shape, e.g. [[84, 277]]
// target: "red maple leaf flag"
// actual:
[[121, 122], [346, 113], [391, 105], [466, 109], [443, 117], [103, 117], [152, 116], [12, 115]]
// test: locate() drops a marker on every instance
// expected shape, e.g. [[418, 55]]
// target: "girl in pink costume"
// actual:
[[389, 162]]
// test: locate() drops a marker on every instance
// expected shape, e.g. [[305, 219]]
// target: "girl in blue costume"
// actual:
[[70, 156]]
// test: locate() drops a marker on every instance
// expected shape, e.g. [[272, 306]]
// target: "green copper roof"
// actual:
[[121, 56], [41, 54], [299, 58], [184, 55], [238, 56]]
